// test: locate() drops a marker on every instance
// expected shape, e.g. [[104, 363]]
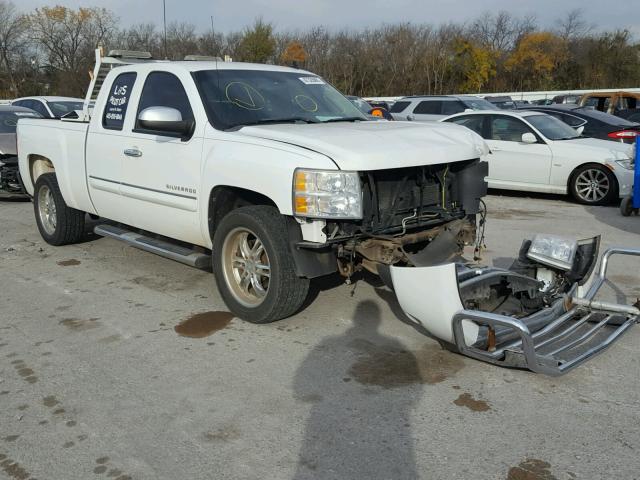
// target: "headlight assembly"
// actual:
[[327, 194], [626, 164], [553, 251]]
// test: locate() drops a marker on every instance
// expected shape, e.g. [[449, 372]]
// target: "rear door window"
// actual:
[[40, 108], [118, 101], [429, 107], [399, 106], [473, 122]]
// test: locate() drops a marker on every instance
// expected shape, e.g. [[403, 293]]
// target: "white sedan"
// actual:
[[536, 152]]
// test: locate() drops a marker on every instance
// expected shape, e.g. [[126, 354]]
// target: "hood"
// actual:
[[596, 148], [8, 144], [378, 145]]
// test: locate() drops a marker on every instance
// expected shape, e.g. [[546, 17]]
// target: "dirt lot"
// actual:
[[96, 383]]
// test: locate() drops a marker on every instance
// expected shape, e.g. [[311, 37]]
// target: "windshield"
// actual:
[[9, 120], [234, 98], [552, 128], [478, 104], [60, 109]]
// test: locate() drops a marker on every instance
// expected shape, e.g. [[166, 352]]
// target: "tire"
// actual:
[[626, 206], [593, 185], [248, 243], [58, 224]]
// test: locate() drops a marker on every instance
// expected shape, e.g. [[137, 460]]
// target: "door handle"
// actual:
[[132, 152]]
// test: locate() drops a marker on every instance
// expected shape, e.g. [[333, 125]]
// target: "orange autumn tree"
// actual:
[[294, 54], [535, 59]]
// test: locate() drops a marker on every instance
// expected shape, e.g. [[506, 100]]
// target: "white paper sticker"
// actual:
[[312, 80]]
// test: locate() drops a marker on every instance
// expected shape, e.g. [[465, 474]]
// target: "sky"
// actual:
[[229, 15]]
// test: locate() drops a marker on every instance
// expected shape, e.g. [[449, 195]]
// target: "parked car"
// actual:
[[10, 183], [503, 102], [566, 98], [50, 107], [620, 104], [592, 123], [521, 103], [536, 152], [432, 108], [270, 168], [369, 110], [542, 101]]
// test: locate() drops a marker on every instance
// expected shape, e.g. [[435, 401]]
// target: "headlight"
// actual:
[[626, 164], [326, 194], [553, 251]]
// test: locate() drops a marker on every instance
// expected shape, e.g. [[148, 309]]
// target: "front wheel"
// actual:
[[593, 185], [58, 224], [253, 265]]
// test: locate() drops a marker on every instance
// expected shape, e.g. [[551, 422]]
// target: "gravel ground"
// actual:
[[96, 383]]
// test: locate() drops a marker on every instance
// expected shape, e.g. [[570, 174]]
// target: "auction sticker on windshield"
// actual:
[[312, 80]]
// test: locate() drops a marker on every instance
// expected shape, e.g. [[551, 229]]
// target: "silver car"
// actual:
[[10, 184], [427, 108]]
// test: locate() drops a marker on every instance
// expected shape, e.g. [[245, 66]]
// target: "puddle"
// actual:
[[203, 324], [509, 213], [79, 324], [50, 401], [466, 400], [531, 469], [389, 368], [69, 263]]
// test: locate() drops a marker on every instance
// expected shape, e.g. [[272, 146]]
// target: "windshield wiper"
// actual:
[[269, 121], [344, 119]]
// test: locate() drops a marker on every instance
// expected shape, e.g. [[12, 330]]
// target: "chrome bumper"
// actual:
[[576, 329]]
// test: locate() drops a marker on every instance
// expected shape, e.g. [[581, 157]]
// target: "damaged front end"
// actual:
[[10, 182], [411, 217], [540, 314]]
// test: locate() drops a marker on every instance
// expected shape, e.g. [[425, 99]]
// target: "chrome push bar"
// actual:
[[578, 328]]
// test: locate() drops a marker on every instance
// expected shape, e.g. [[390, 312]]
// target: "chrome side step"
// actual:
[[153, 245]]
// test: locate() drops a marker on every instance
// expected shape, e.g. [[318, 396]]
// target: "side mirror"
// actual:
[[410, 117], [164, 119], [580, 129], [529, 138]]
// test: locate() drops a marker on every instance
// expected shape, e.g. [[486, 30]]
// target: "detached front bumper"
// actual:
[[568, 330]]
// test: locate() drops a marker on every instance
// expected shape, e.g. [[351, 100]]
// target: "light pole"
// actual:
[[164, 18]]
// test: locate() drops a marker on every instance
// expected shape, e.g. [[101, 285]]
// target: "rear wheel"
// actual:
[[253, 266], [58, 224], [593, 185]]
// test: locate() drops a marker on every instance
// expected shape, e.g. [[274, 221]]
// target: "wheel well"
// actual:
[[224, 199], [591, 164], [39, 165]]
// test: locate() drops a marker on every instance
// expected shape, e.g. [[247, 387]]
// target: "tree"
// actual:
[[535, 58], [477, 65], [67, 39], [258, 43], [294, 54]]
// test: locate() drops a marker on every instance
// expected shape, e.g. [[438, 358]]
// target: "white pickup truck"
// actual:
[[269, 172]]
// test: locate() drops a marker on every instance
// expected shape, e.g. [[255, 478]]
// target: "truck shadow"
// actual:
[[362, 387]]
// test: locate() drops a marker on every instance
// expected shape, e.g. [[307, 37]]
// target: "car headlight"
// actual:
[[327, 194], [627, 164], [553, 251]]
